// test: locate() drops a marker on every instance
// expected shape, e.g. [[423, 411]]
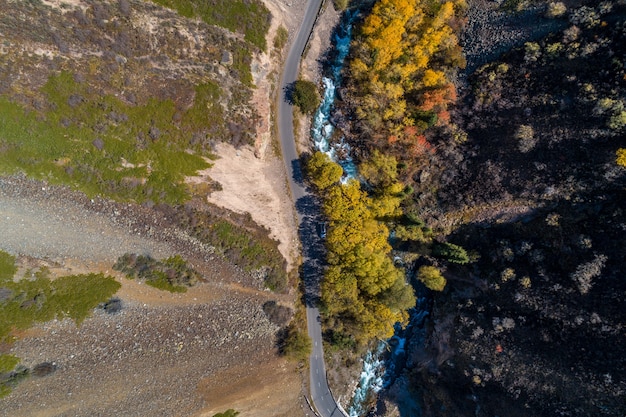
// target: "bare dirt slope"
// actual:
[[253, 178]]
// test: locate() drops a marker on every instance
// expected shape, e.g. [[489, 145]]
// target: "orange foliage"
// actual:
[[443, 117], [438, 99], [412, 142]]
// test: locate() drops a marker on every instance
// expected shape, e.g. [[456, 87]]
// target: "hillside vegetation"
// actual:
[[124, 99], [113, 105]]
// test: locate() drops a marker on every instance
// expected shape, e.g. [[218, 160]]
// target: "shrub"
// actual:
[[280, 40], [171, 274], [556, 9], [340, 5], [532, 51], [296, 344], [431, 277], [525, 136], [277, 314], [586, 272]]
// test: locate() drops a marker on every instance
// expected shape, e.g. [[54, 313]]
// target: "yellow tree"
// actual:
[[432, 278], [621, 157], [322, 171]]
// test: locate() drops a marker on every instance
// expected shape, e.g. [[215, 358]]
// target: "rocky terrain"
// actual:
[[162, 352]]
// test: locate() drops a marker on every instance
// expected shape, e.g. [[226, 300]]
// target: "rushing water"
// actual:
[[382, 366], [322, 127], [370, 382]]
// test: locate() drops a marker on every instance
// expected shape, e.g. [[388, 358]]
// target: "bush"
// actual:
[[340, 5], [304, 95], [277, 314], [171, 274], [556, 9], [295, 344], [525, 135], [281, 38]]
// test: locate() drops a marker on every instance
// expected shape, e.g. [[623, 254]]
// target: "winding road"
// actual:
[[307, 210]]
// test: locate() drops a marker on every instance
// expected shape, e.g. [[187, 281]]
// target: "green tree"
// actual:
[[451, 253], [305, 96], [431, 277]]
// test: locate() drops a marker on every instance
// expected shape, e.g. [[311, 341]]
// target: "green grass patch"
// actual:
[[8, 363], [249, 17], [40, 299], [103, 146], [170, 274], [7, 266]]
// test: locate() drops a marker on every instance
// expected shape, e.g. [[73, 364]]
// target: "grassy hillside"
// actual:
[[124, 99]]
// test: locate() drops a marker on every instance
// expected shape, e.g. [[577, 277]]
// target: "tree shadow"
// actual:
[[313, 249], [288, 92]]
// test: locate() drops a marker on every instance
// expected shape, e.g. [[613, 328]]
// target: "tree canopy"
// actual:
[[362, 288], [305, 96], [432, 278]]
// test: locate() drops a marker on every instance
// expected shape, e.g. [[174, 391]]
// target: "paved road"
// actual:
[[307, 209]]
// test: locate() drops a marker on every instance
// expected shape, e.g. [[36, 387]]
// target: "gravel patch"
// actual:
[[142, 361]]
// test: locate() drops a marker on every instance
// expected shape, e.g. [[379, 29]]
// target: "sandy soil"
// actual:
[[254, 180], [257, 186]]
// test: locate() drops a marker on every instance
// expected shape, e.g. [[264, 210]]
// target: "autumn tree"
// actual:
[[431, 277], [399, 66], [323, 172], [621, 157], [362, 290]]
